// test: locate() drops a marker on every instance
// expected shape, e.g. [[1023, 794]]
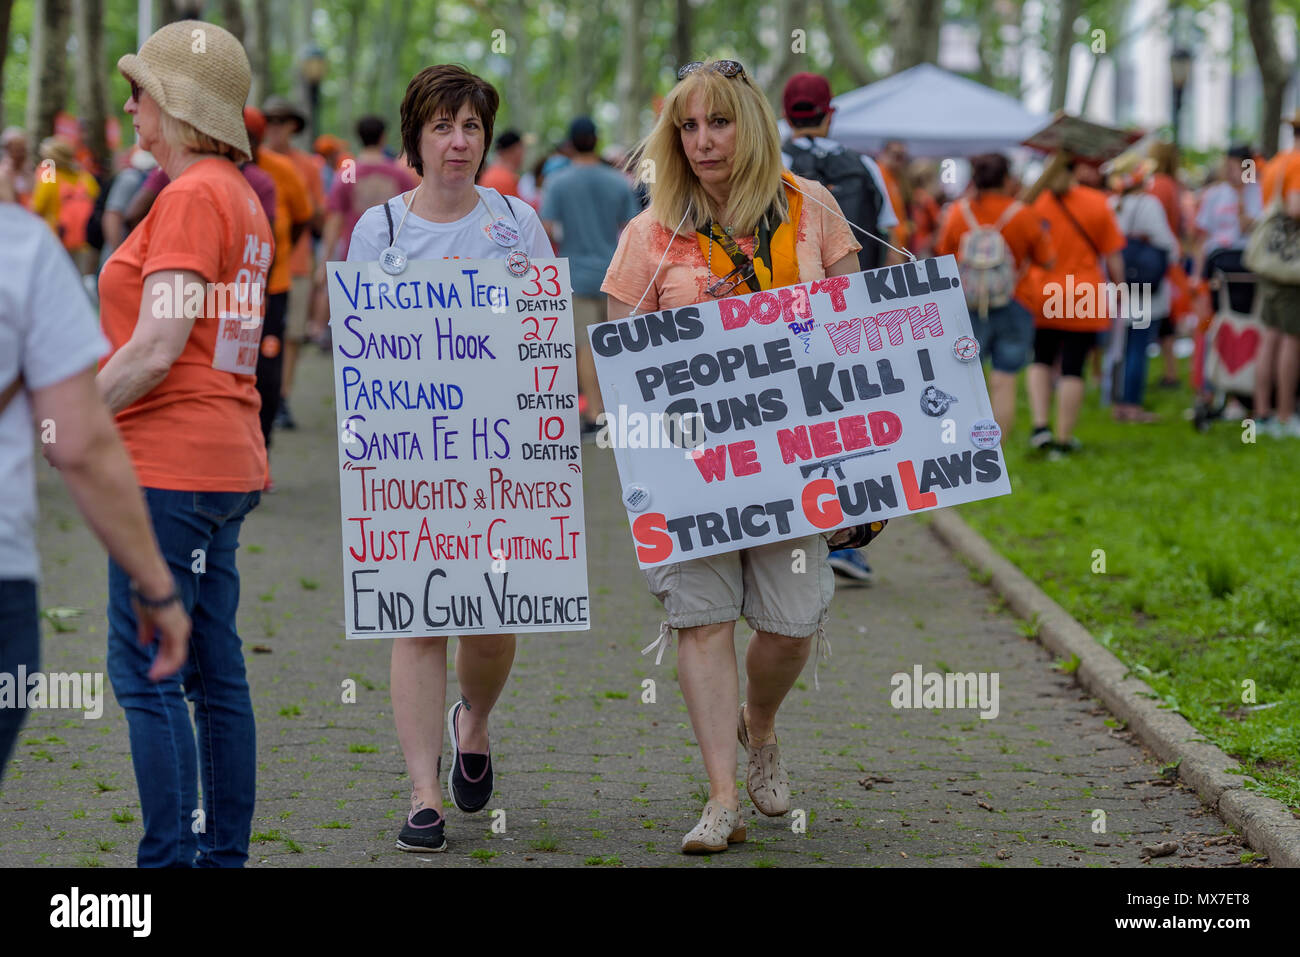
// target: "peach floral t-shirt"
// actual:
[[823, 239]]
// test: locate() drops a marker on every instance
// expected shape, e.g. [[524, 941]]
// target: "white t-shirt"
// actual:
[[888, 219], [466, 238], [1142, 214], [1218, 215], [48, 332]]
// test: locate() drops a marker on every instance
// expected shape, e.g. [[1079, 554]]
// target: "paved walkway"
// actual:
[[587, 773]]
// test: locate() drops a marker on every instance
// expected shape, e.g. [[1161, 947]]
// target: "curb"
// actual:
[[1266, 823]]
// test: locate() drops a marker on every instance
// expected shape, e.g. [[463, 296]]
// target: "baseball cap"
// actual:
[[582, 126], [806, 95], [255, 122]]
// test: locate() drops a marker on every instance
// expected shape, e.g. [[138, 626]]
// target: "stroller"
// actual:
[[1227, 341]]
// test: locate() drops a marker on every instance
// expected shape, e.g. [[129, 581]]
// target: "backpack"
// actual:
[[984, 261], [1143, 262], [842, 172], [75, 207], [95, 224]]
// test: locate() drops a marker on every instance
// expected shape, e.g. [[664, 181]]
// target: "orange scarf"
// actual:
[[783, 270]]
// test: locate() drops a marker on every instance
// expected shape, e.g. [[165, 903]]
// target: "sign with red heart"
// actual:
[[1236, 348]]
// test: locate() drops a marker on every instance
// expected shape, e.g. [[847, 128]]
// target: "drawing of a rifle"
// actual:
[[836, 463]]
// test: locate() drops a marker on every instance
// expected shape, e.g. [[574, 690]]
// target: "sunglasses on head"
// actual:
[[728, 68]]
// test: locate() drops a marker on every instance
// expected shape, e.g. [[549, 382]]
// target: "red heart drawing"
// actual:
[[1236, 348]]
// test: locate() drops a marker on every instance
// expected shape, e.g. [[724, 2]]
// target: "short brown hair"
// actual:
[[439, 89]]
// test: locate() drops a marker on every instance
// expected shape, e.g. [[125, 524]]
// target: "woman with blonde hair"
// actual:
[[724, 218]]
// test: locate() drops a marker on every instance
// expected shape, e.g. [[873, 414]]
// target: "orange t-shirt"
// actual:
[[1166, 189], [1283, 168], [300, 263], [1025, 234], [501, 179], [198, 429], [902, 232], [1078, 262], [292, 206], [822, 240]]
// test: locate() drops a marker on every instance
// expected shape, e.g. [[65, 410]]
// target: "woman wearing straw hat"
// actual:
[[447, 116], [181, 304], [723, 216]]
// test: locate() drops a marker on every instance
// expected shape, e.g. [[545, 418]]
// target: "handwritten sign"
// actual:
[[798, 410], [460, 466]]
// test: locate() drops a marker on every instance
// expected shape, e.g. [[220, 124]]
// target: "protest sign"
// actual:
[[793, 411], [460, 467]]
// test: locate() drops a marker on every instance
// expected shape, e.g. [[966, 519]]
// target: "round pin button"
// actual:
[[517, 263], [966, 349], [986, 434], [636, 498], [503, 234], [392, 261]]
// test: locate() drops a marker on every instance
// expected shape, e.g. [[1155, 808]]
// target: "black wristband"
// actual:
[[153, 603]]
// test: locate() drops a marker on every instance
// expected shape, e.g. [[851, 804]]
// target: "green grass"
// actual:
[[1198, 597]]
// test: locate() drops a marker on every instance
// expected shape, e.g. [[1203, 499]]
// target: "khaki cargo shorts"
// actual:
[[783, 587]]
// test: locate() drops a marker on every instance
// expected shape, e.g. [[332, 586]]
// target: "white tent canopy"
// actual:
[[936, 113]]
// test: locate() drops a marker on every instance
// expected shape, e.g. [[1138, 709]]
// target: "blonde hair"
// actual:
[[176, 131], [755, 168]]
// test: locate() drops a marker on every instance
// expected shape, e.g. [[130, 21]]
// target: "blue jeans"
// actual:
[[168, 759], [1135, 361], [20, 645]]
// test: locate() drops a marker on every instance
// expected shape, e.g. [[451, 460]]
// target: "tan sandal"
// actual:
[[719, 827], [765, 779]]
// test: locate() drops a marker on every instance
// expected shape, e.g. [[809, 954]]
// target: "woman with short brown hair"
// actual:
[[447, 117]]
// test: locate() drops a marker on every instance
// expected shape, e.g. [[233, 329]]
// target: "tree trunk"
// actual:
[[232, 15], [47, 89], [583, 67], [1093, 67], [1069, 11], [258, 47], [682, 51], [1273, 71], [6, 7], [918, 33], [630, 83], [184, 10], [92, 95], [351, 42], [844, 51], [785, 61], [518, 83]]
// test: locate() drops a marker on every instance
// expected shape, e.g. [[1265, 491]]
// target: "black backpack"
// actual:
[[842, 172], [95, 225]]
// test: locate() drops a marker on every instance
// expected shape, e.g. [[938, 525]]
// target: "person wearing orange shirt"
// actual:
[[1072, 301], [1006, 334], [503, 174], [1165, 187], [293, 214], [283, 122], [1271, 170], [1279, 312], [893, 169], [181, 387]]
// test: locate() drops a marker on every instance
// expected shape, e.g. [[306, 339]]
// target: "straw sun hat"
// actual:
[[1129, 170], [199, 73]]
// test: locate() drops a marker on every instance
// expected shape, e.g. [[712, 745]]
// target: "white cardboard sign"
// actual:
[[784, 413], [460, 455]]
